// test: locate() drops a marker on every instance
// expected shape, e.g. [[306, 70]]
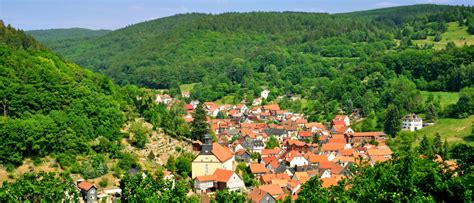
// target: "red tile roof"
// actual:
[[379, 152], [258, 168], [84, 185], [336, 140], [207, 178], [257, 195], [222, 153], [346, 152], [316, 158], [332, 146], [267, 178], [270, 152], [305, 134], [272, 107], [302, 176], [367, 134], [223, 175], [272, 189]]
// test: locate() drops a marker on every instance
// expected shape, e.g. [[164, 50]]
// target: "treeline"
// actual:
[[49, 107], [319, 56]]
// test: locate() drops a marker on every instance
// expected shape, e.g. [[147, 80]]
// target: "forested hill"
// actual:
[[48, 105], [322, 57], [66, 33]]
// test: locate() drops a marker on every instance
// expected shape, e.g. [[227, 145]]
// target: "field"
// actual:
[[455, 33], [187, 87], [455, 130], [447, 98]]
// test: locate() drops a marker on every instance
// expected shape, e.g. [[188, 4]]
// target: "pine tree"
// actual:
[[392, 124], [445, 153], [425, 147], [438, 145], [199, 124], [171, 163], [431, 112]]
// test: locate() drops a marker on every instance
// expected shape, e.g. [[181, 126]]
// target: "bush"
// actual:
[[93, 167], [104, 182]]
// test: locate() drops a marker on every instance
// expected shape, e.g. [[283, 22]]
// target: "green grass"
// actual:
[[447, 98], [455, 130], [457, 34], [229, 99], [187, 87]]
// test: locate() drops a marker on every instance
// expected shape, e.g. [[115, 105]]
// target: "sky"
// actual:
[[114, 14]]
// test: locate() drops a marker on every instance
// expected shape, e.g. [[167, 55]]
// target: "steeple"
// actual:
[[206, 144]]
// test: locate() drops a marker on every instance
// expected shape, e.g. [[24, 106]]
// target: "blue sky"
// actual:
[[113, 14]]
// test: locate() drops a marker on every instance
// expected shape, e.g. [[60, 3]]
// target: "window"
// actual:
[[206, 169]]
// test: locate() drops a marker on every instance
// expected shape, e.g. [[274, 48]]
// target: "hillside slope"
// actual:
[[65, 33], [49, 105]]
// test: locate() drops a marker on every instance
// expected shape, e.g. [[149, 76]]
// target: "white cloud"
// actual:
[[386, 4]]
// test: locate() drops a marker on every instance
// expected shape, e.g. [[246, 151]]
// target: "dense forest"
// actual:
[[362, 60], [53, 108]]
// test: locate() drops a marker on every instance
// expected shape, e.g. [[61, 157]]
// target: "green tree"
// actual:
[[171, 163], [272, 143], [392, 123], [426, 147], [438, 145], [431, 112], [445, 152], [39, 187], [199, 125], [229, 197], [140, 134], [312, 191]]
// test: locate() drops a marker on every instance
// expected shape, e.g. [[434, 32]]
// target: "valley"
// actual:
[[374, 105]]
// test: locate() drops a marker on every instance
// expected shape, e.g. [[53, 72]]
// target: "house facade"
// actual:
[[412, 122], [212, 156]]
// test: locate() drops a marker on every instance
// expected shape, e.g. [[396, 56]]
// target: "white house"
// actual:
[[257, 102], [343, 118], [295, 158], [163, 98], [264, 94], [412, 122], [204, 183], [220, 180]]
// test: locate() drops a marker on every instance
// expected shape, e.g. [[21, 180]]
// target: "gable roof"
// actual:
[[256, 195], [346, 152], [223, 175], [379, 152], [305, 134], [222, 153], [302, 176], [272, 189], [267, 178], [332, 146], [328, 182], [337, 140], [367, 134], [206, 178], [269, 152], [258, 168], [84, 185], [316, 158]]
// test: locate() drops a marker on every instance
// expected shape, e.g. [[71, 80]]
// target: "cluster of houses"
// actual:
[[306, 149]]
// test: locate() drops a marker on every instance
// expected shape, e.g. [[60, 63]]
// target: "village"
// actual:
[[267, 152], [303, 150]]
